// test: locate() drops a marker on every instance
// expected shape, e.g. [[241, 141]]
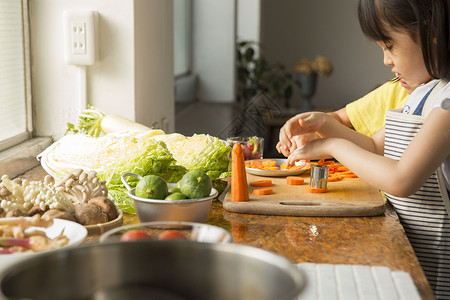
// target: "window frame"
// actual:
[[21, 137]]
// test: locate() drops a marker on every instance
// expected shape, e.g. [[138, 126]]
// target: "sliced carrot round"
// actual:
[[261, 183], [269, 163], [334, 178], [316, 190], [262, 191], [352, 175], [295, 180]]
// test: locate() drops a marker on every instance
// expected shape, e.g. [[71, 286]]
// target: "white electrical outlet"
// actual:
[[80, 37]]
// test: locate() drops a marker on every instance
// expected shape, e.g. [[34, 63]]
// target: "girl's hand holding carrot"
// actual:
[[316, 149], [304, 126]]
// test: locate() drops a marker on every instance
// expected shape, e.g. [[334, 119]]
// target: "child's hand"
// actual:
[[316, 149], [297, 142], [298, 130]]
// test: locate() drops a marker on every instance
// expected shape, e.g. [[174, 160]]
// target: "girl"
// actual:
[[414, 172]]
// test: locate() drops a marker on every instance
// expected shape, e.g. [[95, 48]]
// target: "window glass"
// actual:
[[13, 72], [181, 28]]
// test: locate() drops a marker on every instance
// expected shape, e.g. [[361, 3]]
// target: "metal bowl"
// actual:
[[188, 210], [192, 231], [146, 269]]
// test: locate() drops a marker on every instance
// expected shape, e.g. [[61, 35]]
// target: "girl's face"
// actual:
[[405, 57]]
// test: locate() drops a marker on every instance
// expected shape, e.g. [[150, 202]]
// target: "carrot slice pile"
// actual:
[[239, 187], [336, 171], [349, 175], [334, 177], [284, 166], [262, 191], [268, 164], [261, 183], [295, 180]]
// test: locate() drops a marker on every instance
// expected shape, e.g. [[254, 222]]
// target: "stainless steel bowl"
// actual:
[[188, 210], [158, 269]]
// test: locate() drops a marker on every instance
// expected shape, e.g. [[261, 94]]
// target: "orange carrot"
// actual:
[[333, 168], [316, 190], [295, 180], [295, 168], [284, 166], [342, 169], [349, 175], [269, 163], [239, 187], [261, 183], [262, 191], [334, 178], [271, 168], [254, 164]]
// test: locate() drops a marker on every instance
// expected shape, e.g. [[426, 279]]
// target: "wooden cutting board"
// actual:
[[344, 198]]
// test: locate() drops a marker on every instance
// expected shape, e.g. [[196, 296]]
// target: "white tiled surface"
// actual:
[[356, 282]]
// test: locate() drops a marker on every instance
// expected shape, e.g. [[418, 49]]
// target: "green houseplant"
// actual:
[[256, 74]]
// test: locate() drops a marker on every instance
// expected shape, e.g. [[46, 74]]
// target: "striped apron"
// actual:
[[424, 214]]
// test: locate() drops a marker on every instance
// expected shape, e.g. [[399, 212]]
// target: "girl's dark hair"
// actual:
[[426, 21]]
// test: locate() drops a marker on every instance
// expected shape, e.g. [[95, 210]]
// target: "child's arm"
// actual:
[[321, 124], [401, 178]]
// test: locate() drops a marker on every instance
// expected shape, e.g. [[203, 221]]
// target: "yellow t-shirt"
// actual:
[[368, 114]]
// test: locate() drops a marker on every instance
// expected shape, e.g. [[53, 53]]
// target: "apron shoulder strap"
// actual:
[[430, 99]]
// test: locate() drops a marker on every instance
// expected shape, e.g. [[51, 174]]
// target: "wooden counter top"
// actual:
[[375, 241]]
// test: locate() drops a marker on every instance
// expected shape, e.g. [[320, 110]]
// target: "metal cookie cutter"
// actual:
[[319, 177]]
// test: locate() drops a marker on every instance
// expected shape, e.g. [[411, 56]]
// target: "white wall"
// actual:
[[248, 20], [132, 78], [213, 59], [292, 29]]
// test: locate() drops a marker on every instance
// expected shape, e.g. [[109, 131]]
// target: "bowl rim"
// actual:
[[228, 239], [296, 275], [211, 196]]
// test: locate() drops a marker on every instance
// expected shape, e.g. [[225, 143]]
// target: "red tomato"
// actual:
[[133, 235], [171, 235]]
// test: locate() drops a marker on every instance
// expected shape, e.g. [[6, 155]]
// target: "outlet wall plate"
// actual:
[[80, 38]]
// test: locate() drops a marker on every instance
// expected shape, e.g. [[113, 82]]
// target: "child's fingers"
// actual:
[[298, 142], [284, 139], [311, 122], [293, 157], [282, 149]]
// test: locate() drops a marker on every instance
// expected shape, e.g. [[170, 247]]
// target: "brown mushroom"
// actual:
[[80, 187], [35, 210], [106, 205], [15, 213], [59, 214], [4, 192], [89, 214]]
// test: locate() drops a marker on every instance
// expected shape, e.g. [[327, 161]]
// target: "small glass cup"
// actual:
[[253, 147], [319, 177]]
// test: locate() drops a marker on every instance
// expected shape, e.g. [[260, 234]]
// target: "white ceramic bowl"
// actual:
[[198, 232], [75, 232]]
